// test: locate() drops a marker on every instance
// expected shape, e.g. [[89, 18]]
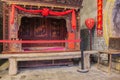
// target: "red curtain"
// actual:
[[46, 12]]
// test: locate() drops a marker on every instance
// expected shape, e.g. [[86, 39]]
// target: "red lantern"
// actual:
[[90, 23]]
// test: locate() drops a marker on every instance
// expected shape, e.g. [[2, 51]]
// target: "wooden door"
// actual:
[[37, 28]]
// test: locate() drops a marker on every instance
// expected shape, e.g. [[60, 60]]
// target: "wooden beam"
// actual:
[[48, 58], [110, 51], [14, 58], [33, 54], [42, 4]]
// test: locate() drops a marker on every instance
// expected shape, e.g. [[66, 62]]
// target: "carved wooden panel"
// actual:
[[36, 28]]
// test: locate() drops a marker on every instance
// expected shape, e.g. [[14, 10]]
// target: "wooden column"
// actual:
[[68, 25], [78, 31], [13, 31], [12, 66], [4, 20], [5, 26]]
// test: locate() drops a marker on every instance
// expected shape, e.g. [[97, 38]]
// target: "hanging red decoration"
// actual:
[[73, 20], [99, 18], [29, 11], [90, 22], [55, 13], [12, 14], [46, 12], [71, 36]]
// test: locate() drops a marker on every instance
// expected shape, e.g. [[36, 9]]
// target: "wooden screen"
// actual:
[[37, 28]]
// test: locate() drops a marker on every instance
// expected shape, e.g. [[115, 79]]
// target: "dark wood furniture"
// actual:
[[110, 53], [113, 49]]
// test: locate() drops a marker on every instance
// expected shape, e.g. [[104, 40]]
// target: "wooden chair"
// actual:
[[113, 49]]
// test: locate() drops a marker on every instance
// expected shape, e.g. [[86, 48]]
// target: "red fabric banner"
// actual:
[[71, 36], [73, 20], [12, 14], [46, 12], [99, 19], [55, 13], [30, 11]]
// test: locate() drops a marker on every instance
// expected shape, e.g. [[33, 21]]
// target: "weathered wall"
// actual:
[[89, 10], [116, 18]]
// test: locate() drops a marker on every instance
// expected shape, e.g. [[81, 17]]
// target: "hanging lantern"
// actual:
[[90, 23]]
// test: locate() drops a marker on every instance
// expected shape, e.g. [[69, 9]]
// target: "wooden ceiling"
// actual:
[[70, 4]]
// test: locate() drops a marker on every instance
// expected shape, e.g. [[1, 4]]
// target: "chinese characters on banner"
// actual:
[[99, 18]]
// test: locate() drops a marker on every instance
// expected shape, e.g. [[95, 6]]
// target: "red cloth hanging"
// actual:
[[73, 20], [12, 14], [46, 12], [99, 18], [30, 11], [55, 13], [71, 36]]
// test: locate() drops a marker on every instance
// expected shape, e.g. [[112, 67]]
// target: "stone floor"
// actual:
[[59, 73]]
